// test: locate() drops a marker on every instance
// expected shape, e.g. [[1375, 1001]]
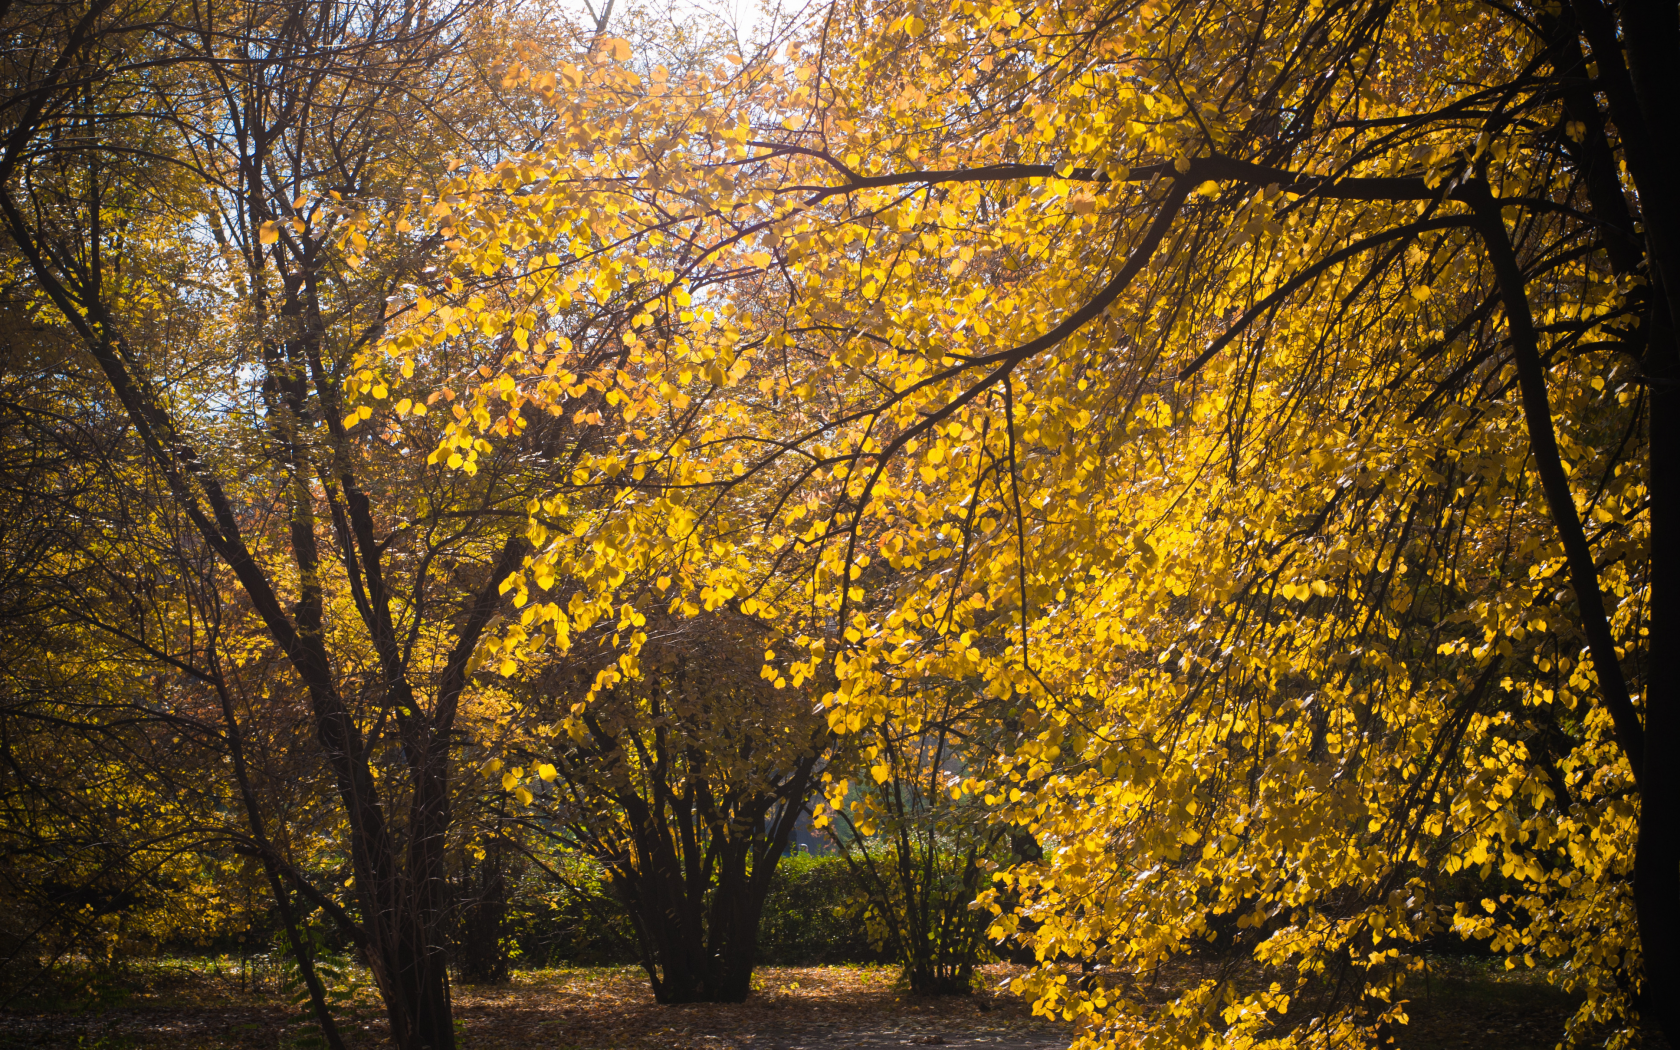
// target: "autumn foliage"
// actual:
[[1216, 456]]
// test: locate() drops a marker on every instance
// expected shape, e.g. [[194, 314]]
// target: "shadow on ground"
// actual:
[[792, 1008], [1463, 1005]]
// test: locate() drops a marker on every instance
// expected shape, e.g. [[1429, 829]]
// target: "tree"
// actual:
[[190, 191], [104, 849], [918, 850], [1271, 402], [683, 780]]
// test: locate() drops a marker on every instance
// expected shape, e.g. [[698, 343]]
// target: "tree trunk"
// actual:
[[1656, 865], [1640, 78], [483, 918], [694, 953]]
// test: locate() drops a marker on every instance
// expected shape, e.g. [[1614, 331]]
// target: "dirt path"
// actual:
[[793, 1008], [962, 1034]]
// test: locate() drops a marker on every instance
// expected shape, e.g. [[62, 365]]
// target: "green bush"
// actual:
[[810, 915], [582, 923], [810, 918]]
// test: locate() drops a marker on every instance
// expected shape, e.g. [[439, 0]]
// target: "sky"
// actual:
[[747, 15]]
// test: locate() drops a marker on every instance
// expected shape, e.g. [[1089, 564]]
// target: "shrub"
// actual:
[[810, 915], [809, 918]]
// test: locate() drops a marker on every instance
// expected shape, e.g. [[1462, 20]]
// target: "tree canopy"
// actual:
[[1260, 401], [1237, 427]]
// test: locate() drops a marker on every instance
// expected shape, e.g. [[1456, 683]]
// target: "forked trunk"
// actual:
[[695, 950], [697, 924]]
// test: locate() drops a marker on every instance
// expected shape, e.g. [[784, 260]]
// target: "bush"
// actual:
[[810, 918], [582, 923], [810, 915]]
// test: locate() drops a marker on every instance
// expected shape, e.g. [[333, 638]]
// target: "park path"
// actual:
[[231, 1028], [794, 1008], [894, 1035]]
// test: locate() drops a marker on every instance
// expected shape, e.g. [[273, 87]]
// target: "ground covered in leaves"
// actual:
[[207, 1007]]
